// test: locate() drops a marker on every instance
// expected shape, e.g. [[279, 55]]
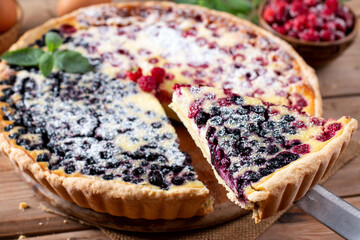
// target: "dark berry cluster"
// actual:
[[309, 20], [243, 137]]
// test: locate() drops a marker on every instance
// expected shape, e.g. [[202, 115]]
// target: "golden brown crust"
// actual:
[[131, 200]]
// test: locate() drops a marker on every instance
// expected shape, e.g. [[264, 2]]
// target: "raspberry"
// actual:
[[298, 8], [311, 20], [299, 23], [269, 14], [309, 35], [331, 26], [288, 25], [147, 83], [332, 5], [279, 29], [326, 35], [340, 24], [311, 3], [134, 74], [159, 74], [339, 35], [280, 11]]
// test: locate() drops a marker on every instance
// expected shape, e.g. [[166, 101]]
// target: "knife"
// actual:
[[337, 214]]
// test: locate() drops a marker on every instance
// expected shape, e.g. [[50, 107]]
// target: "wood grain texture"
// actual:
[[75, 235]]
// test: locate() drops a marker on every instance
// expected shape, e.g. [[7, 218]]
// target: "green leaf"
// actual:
[[23, 57], [46, 63], [187, 1], [72, 62], [53, 41]]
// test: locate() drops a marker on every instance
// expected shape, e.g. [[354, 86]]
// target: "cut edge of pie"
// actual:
[[287, 184]]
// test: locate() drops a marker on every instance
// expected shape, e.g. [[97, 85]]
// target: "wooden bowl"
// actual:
[[10, 36], [315, 54]]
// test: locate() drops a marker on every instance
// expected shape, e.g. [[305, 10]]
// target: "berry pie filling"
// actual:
[[93, 125], [189, 47], [248, 139]]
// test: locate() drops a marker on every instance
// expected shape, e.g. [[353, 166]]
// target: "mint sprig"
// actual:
[[66, 60]]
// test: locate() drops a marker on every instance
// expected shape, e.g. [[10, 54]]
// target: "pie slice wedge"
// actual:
[[265, 155]]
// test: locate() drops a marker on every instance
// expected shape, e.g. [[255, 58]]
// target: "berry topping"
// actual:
[[147, 83], [134, 74], [159, 74]]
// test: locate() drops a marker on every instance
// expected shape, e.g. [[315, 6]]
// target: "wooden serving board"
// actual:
[[224, 209]]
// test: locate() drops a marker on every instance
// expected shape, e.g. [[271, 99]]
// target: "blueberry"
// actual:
[[156, 178], [156, 125], [217, 120], [288, 118], [242, 111], [70, 169], [153, 156], [154, 167], [261, 150], [291, 130], [105, 155], [108, 177], [251, 176], [7, 128], [177, 181], [201, 118], [144, 163], [215, 111], [265, 171], [272, 149], [127, 178], [258, 109], [44, 157], [112, 164], [253, 128], [246, 151], [23, 142], [90, 161], [237, 100], [177, 168], [138, 171], [7, 92], [270, 125], [259, 161]]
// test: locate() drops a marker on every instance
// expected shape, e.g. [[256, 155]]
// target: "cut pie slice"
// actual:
[[266, 156]]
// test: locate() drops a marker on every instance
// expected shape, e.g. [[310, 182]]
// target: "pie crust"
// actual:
[[135, 201], [277, 191]]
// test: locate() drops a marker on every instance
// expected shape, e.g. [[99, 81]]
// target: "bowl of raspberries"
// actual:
[[319, 30]]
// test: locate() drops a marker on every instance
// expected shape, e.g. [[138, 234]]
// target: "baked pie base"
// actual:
[[133, 201]]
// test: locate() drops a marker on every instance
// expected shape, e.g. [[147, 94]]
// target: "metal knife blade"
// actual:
[[337, 214]]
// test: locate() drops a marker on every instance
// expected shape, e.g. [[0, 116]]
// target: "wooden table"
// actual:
[[340, 87]]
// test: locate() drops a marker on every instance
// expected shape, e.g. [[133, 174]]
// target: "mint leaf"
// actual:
[[72, 62], [53, 41], [46, 63], [23, 57]]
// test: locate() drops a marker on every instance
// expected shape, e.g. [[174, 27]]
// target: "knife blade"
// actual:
[[337, 214]]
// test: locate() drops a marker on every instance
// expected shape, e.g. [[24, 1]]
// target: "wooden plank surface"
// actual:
[[340, 86]]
